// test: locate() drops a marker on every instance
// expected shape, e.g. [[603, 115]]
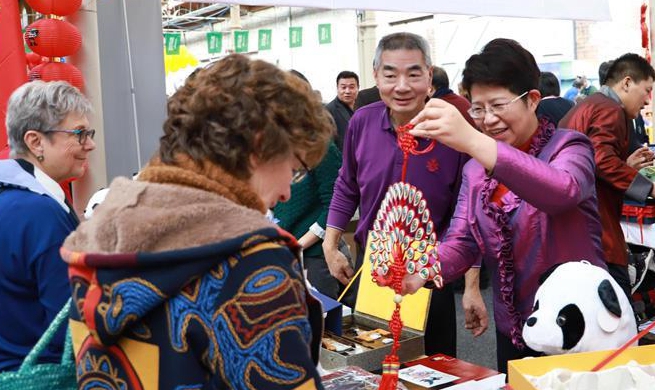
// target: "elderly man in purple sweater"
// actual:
[[372, 161]]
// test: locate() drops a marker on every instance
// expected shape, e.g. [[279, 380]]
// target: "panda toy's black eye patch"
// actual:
[[571, 320]]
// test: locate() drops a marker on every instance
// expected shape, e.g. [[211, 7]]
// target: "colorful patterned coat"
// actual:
[[230, 313]]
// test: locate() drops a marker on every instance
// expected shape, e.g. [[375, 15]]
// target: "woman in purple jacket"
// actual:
[[527, 200]]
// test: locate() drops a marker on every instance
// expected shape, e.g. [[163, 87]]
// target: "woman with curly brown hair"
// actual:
[[179, 279]]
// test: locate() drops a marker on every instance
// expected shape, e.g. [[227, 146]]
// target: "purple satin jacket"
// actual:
[[553, 214]]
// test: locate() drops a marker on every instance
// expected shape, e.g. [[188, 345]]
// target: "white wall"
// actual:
[[319, 63]]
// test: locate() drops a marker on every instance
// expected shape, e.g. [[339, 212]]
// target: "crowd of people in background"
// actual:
[[203, 262]]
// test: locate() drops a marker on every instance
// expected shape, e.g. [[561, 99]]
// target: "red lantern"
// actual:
[[34, 59], [55, 7], [53, 38], [56, 71]]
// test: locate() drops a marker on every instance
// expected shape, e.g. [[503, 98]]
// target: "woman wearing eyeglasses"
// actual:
[[527, 200], [179, 279], [50, 141]]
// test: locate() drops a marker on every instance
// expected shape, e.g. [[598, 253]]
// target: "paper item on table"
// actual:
[[425, 376], [353, 378], [494, 382]]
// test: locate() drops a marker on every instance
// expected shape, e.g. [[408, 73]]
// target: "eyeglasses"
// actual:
[[299, 174], [82, 134], [494, 109]]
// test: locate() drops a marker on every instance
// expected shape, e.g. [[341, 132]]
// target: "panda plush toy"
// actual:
[[94, 201], [579, 307]]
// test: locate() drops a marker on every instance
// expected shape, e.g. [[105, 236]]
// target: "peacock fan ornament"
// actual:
[[403, 241]]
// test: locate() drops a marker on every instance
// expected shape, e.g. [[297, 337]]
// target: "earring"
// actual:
[[40, 158]]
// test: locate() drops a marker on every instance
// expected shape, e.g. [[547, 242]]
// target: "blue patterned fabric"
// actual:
[[229, 315]]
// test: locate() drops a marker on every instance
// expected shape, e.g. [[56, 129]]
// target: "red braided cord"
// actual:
[[408, 145]]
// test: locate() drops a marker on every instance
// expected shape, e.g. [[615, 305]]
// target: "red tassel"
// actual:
[[390, 367]]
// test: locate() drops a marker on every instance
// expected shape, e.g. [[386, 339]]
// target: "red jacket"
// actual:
[[603, 120]]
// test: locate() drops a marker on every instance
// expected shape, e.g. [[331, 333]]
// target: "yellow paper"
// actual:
[[378, 301]]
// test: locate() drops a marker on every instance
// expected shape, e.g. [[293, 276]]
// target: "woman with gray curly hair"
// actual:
[[50, 140], [179, 279]]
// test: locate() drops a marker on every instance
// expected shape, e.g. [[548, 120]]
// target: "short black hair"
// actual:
[[629, 65], [505, 63], [440, 78], [602, 71], [346, 74], [548, 84]]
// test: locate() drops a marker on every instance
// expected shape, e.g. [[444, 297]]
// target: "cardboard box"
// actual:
[[518, 369], [411, 341], [373, 310]]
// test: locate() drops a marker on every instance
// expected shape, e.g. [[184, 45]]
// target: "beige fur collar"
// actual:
[[138, 216], [208, 177]]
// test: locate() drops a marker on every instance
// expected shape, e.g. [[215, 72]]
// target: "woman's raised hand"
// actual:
[[443, 122]]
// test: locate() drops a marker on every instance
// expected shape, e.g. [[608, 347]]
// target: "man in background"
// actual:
[[552, 105], [343, 105], [604, 117]]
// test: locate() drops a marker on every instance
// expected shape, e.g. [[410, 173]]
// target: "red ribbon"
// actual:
[[639, 212]]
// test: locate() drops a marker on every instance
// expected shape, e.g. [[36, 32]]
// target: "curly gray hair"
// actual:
[[40, 106]]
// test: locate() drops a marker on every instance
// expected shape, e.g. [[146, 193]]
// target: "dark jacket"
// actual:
[[554, 108], [33, 279], [310, 200], [341, 114]]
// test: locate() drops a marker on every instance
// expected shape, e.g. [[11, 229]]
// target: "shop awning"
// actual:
[[547, 9]]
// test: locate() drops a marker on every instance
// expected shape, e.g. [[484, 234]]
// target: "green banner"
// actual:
[[241, 41], [295, 36], [265, 36], [324, 33], [214, 42], [172, 41]]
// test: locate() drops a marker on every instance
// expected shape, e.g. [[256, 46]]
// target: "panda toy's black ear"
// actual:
[[609, 298], [547, 273], [608, 320]]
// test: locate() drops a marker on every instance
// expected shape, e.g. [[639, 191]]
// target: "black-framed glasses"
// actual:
[[82, 134], [495, 109], [299, 174]]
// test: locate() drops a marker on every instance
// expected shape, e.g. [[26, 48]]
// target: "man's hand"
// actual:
[[338, 264], [475, 312], [640, 158]]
